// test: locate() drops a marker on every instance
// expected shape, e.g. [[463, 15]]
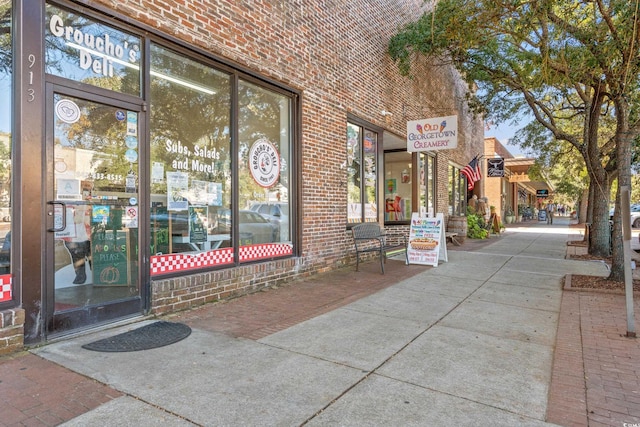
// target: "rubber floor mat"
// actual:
[[157, 334]]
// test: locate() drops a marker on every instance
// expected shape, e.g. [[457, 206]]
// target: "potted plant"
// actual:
[[509, 216]]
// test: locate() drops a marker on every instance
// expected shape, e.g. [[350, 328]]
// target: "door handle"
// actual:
[[64, 216]]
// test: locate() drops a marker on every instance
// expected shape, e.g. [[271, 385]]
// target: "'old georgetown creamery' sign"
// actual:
[[439, 133]]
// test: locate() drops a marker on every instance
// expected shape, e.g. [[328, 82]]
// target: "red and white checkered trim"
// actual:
[[5, 288], [171, 263], [264, 250]]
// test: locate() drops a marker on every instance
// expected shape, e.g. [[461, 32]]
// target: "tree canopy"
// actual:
[[572, 65]]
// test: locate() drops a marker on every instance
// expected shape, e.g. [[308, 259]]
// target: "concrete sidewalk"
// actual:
[[470, 342]]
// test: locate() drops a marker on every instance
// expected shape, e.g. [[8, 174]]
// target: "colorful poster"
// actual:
[[426, 240]]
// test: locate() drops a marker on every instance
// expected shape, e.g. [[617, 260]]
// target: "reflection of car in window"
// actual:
[[275, 212], [254, 228]]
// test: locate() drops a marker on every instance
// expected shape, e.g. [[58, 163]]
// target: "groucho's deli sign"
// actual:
[[438, 133], [264, 163]]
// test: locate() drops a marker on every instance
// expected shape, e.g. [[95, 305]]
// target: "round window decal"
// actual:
[[264, 163], [67, 111]]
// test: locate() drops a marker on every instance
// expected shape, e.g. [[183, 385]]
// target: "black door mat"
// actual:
[[157, 334]]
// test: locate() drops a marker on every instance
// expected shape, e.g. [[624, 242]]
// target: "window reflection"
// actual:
[[190, 155], [427, 182], [83, 50], [6, 114], [354, 159], [264, 165], [362, 159]]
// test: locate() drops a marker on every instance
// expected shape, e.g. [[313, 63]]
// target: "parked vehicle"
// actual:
[[278, 214], [634, 211], [254, 228], [275, 212]]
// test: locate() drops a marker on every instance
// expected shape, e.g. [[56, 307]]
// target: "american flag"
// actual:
[[472, 172]]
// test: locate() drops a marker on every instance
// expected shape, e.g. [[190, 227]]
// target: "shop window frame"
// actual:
[[457, 188], [378, 153], [237, 72]]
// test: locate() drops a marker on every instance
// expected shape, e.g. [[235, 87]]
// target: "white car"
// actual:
[[635, 215]]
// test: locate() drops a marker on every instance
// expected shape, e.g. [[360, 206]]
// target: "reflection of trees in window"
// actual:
[[362, 155], [97, 130], [262, 114], [353, 163], [5, 38], [5, 99], [63, 58], [370, 145], [190, 119]]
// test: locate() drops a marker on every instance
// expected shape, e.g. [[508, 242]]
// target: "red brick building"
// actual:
[[162, 155]]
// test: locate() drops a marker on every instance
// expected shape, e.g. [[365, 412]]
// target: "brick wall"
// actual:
[[334, 51], [11, 330]]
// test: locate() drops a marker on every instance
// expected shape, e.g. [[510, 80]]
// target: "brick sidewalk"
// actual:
[[596, 373], [36, 392]]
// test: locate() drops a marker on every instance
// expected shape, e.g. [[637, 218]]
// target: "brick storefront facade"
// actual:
[[335, 53]]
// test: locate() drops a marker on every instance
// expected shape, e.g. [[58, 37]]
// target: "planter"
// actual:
[[509, 219]]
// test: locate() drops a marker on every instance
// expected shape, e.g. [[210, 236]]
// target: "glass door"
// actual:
[[93, 210]]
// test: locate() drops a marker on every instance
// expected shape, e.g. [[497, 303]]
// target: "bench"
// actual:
[[370, 237]]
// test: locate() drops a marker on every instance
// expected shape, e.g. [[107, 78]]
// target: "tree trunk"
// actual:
[[600, 243], [582, 208], [599, 184], [623, 156]]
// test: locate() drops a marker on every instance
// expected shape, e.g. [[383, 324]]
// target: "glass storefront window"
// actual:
[[397, 186], [362, 149], [457, 192], [190, 155], [354, 156], [427, 189], [86, 51], [6, 114], [264, 171]]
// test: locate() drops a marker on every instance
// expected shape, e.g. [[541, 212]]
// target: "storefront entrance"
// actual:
[[93, 201]]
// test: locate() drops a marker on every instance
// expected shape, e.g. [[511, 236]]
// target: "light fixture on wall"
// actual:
[[386, 113]]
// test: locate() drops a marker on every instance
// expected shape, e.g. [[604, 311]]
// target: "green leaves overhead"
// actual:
[[573, 65], [539, 46]]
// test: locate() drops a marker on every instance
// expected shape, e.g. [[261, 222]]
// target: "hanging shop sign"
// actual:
[[438, 133], [542, 193], [495, 167]]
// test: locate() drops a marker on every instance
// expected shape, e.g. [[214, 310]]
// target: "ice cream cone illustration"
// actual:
[[443, 125], [419, 128]]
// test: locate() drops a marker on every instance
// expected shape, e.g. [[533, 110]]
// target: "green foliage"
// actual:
[[572, 66], [476, 226]]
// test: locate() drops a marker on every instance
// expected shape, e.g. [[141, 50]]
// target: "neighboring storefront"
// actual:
[[154, 159], [514, 191]]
